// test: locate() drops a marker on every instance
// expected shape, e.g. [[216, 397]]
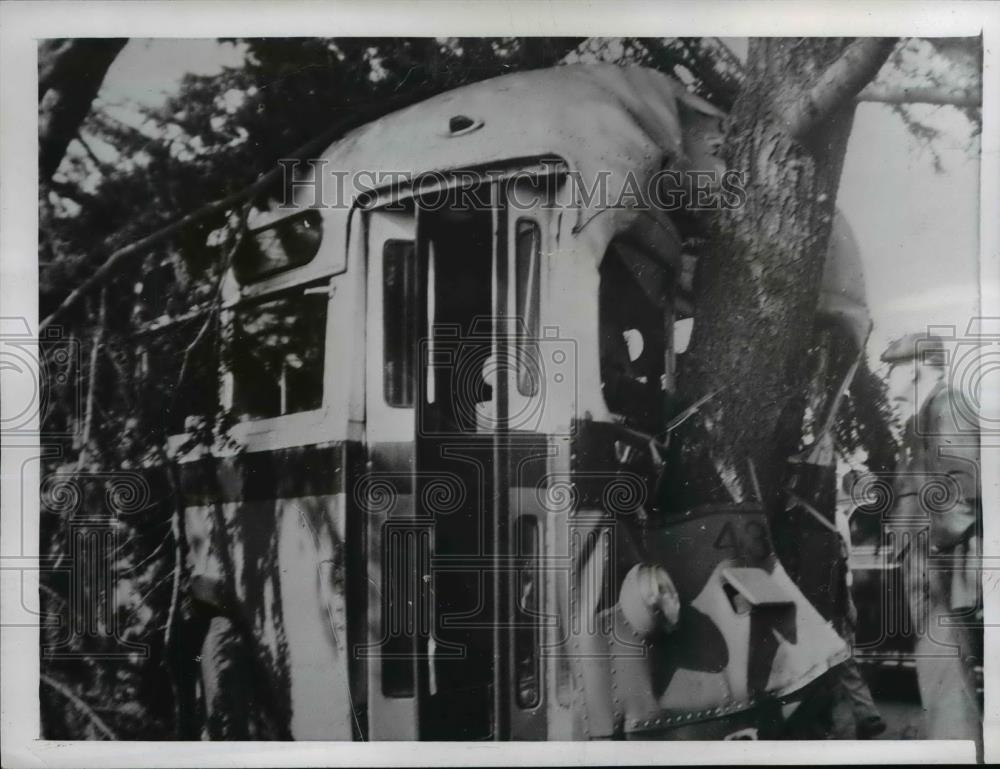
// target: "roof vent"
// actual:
[[459, 125]]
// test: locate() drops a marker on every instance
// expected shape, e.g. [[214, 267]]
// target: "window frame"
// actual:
[[275, 223], [296, 424], [621, 255], [410, 283], [527, 328]]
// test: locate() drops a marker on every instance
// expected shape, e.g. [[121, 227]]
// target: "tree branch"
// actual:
[[171, 629], [80, 705], [70, 75], [238, 237], [956, 97], [121, 255], [102, 167], [95, 350], [838, 84]]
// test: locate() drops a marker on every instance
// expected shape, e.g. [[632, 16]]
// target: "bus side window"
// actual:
[[399, 321], [277, 351], [631, 305], [279, 246], [527, 305]]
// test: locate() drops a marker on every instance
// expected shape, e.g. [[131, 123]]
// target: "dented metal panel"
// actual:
[[746, 639], [843, 299]]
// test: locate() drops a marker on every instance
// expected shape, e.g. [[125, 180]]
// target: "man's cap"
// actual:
[[927, 348]]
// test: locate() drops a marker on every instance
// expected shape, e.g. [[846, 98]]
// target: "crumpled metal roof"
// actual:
[[597, 117], [843, 299]]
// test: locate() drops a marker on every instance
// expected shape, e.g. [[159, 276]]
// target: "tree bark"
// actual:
[[758, 283], [70, 73], [847, 75], [940, 95]]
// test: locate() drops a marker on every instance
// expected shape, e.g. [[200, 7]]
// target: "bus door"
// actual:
[[481, 454], [458, 408], [453, 430]]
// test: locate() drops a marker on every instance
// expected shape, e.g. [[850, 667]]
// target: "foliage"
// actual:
[[706, 65]]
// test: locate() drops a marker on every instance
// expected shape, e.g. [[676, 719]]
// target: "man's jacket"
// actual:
[[937, 489]]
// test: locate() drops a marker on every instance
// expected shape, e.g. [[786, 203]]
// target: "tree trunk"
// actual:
[[757, 286], [70, 73]]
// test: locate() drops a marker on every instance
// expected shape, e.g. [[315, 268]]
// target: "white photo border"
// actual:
[[23, 23]]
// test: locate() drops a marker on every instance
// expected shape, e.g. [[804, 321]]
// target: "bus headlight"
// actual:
[[649, 600]]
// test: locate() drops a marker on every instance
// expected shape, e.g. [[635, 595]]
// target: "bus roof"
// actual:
[[598, 118]]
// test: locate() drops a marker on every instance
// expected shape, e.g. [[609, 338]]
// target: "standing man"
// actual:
[[937, 523]]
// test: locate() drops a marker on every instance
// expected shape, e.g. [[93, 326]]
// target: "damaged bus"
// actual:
[[438, 523]]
